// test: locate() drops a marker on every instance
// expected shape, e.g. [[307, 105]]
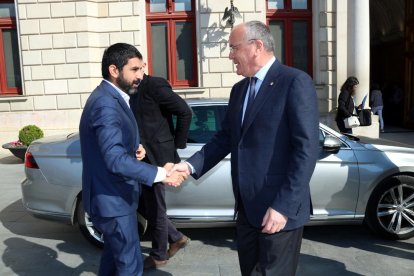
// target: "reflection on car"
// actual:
[[353, 182]]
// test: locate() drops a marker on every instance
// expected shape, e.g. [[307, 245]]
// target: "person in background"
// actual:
[[376, 103], [346, 104], [271, 129], [112, 174], [154, 106]]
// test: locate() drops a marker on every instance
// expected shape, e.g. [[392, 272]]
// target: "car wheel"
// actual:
[[92, 234], [390, 210]]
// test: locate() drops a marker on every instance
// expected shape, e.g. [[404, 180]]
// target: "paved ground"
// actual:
[[30, 246]]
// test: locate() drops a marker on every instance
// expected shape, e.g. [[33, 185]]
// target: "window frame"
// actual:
[[6, 23], [170, 18], [288, 16]]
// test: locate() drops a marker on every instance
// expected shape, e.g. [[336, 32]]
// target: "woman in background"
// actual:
[[346, 105]]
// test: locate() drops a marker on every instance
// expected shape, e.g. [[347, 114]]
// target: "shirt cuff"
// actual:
[[191, 167], [161, 175]]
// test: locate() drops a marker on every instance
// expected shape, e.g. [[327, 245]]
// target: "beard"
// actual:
[[125, 86]]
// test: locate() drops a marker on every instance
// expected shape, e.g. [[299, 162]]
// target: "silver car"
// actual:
[[353, 182]]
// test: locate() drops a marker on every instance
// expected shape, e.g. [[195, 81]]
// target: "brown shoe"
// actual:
[[150, 262], [175, 246]]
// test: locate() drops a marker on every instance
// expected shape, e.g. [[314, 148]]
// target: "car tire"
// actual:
[[390, 210], [92, 234]]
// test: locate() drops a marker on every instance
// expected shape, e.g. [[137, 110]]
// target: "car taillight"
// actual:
[[29, 161]]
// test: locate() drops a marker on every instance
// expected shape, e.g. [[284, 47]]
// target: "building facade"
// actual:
[[51, 50]]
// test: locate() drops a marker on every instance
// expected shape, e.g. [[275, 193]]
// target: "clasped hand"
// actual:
[[140, 152], [174, 176]]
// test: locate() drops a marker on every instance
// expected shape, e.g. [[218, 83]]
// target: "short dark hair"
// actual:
[[118, 54]]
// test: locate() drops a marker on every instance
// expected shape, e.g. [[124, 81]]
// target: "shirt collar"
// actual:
[[261, 74], [124, 95]]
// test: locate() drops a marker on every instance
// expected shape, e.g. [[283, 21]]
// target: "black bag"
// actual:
[[364, 116]]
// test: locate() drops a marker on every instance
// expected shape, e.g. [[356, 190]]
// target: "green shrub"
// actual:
[[30, 133]]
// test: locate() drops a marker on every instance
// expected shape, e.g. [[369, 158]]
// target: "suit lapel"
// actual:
[[142, 88], [240, 102], [124, 106], [121, 101], [266, 89]]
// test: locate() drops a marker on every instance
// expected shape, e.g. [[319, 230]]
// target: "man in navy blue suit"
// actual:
[[271, 130], [112, 174]]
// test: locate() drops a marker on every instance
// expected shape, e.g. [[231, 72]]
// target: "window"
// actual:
[[10, 76], [206, 121], [290, 22], [171, 41]]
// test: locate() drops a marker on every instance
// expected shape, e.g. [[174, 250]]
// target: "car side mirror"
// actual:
[[331, 144]]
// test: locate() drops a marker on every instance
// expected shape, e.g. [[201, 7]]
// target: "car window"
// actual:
[[206, 121]]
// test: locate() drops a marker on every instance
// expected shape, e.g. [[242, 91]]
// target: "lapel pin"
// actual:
[[271, 83]]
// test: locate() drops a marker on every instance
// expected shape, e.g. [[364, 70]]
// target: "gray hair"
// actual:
[[258, 30]]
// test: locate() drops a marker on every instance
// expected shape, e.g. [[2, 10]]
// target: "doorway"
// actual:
[[388, 62]]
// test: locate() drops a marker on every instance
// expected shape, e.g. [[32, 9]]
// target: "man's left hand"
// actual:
[[140, 153], [273, 221]]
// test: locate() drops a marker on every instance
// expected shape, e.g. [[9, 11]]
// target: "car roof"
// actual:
[[201, 101]]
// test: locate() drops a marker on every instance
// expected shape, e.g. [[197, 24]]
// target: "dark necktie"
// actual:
[[252, 95]]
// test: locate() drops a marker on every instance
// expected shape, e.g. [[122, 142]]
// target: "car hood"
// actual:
[[388, 148]]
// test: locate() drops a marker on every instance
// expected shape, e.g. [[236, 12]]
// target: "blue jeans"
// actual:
[[378, 111]]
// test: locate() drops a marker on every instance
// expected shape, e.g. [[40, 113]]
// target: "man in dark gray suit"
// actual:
[[271, 130], [154, 106]]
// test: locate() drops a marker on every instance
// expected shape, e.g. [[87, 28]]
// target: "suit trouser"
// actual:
[[122, 253], [267, 254], [161, 229]]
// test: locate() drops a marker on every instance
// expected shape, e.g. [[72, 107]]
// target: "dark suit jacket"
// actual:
[[109, 138], [345, 106], [154, 106], [273, 158]]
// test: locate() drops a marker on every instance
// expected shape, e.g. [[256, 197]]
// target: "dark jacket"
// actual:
[[154, 106], [375, 98], [345, 105], [274, 155]]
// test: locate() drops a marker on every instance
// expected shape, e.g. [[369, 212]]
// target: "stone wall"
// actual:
[[62, 42], [61, 47]]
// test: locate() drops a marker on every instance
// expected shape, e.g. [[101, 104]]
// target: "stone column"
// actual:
[[359, 45], [359, 58]]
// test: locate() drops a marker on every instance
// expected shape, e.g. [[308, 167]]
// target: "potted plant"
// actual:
[[27, 135]]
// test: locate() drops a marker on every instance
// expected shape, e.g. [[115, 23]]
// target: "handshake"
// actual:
[[176, 174]]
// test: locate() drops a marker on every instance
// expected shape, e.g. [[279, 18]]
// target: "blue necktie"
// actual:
[[252, 95]]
